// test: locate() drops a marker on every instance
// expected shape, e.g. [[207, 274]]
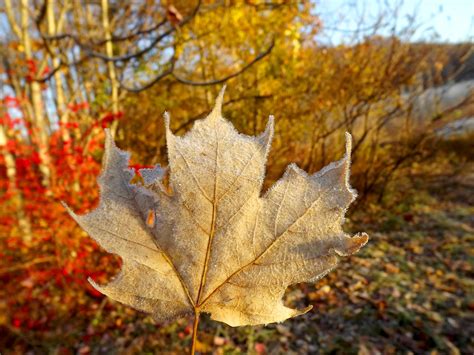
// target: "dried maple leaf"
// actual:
[[209, 242]]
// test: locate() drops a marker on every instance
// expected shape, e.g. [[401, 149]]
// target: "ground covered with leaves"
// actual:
[[408, 291]]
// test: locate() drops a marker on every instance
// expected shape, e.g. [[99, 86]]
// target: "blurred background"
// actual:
[[398, 75]]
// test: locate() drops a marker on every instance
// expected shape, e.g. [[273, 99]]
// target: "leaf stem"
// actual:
[[195, 330]]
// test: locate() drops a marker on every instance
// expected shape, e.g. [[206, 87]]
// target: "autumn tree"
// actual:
[[68, 69]]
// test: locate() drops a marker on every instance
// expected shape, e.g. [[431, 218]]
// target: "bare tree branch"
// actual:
[[62, 64], [135, 34], [148, 85], [127, 57], [233, 75]]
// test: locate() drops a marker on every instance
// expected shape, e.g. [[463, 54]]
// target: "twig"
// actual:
[[26, 265], [222, 80]]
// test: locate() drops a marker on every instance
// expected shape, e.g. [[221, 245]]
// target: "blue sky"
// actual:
[[441, 20]]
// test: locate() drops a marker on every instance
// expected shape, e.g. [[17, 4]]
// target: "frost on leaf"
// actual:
[[214, 244]]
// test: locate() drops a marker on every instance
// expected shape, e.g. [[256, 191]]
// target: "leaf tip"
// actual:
[[306, 309], [347, 163], [266, 137], [68, 209], [353, 245], [94, 284], [270, 124], [299, 312], [348, 143], [108, 147], [217, 110], [166, 117], [109, 140]]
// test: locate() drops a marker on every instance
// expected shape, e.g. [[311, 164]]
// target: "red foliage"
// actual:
[[42, 273], [76, 107], [136, 168], [11, 102], [109, 118]]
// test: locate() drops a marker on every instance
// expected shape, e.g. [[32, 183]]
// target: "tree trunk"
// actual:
[[17, 197], [58, 80], [110, 65], [41, 125]]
